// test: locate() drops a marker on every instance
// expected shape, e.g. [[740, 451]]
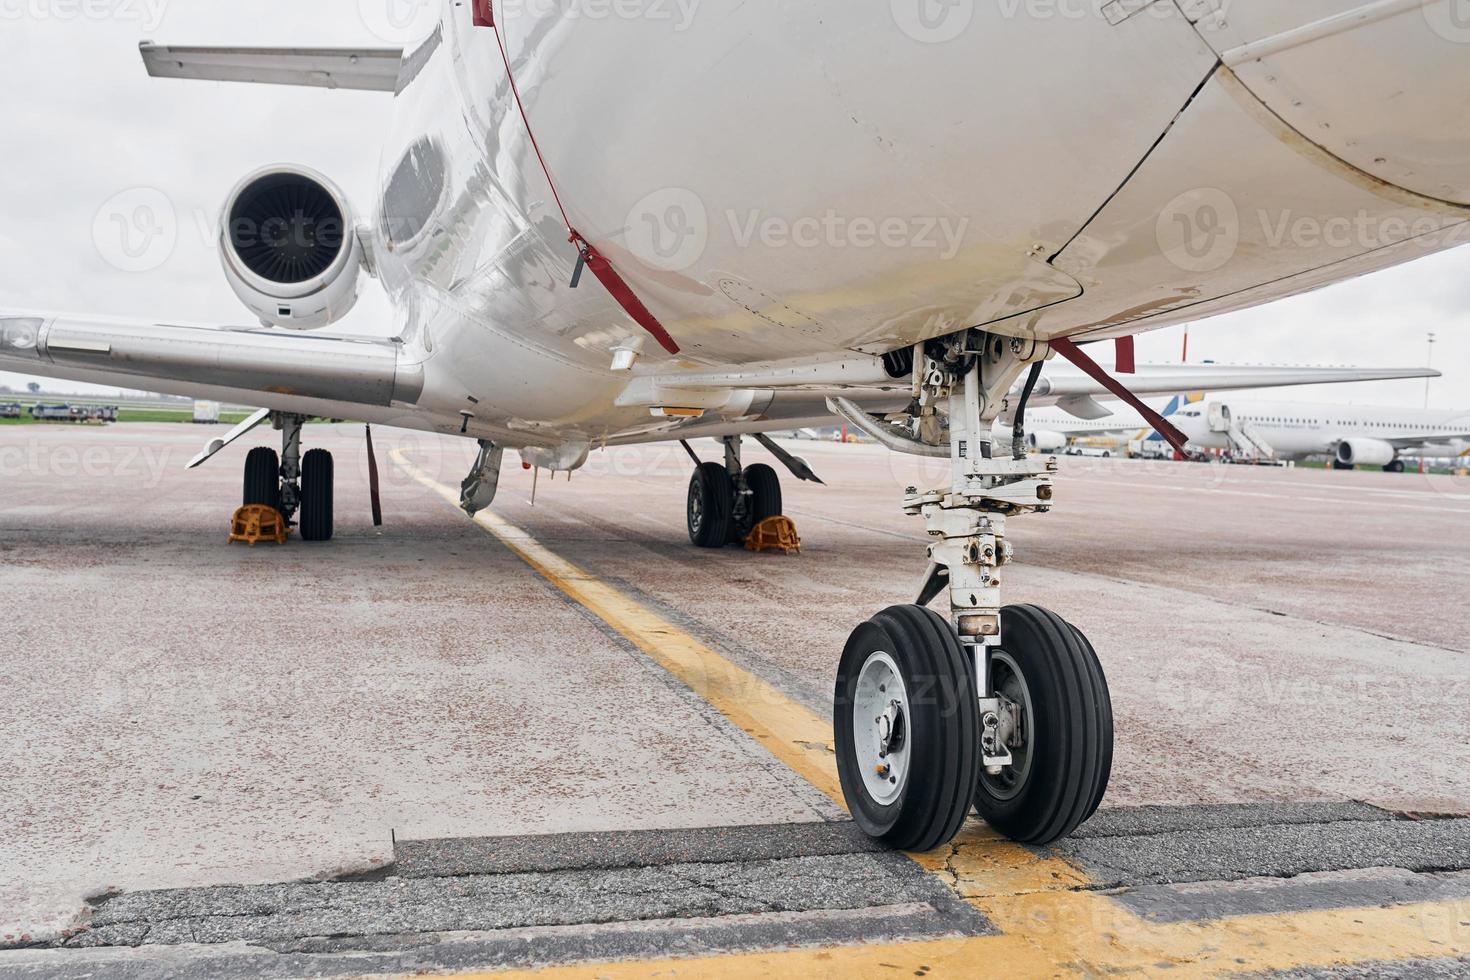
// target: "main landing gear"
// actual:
[[1001, 709], [726, 500], [290, 482]]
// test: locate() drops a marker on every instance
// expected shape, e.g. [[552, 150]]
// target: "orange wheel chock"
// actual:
[[774, 534], [257, 522]]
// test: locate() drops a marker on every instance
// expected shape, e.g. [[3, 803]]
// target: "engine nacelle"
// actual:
[[290, 248], [1046, 442], [1365, 452]]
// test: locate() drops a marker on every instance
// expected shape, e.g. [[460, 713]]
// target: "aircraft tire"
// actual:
[[905, 675], [317, 478], [1107, 758], [709, 511], [765, 494], [1062, 768], [262, 478]]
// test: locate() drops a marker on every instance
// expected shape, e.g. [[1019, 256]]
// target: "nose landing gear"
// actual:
[[1006, 709]]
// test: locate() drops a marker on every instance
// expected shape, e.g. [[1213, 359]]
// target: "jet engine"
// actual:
[[290, 248], [1046, 442], [1365, 452]]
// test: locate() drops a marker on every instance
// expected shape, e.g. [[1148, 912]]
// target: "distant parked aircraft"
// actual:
[[1352, 435]]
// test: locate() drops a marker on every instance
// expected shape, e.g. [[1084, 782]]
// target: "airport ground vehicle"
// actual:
[[1150, 449], [206, 412], [572, 270], [11, 410], [74, 413], [53, 413]]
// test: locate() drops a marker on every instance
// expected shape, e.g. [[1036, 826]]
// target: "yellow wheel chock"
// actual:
[[257, 522], [774, 534]]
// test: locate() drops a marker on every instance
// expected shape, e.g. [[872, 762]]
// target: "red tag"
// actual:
[[483, 13], [624, 294], [1125, 363]]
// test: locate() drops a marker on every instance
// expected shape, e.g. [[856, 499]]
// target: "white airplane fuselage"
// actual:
[[1299, 430], [779, 182]]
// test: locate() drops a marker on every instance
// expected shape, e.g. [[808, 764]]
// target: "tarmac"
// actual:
[[561, 738]]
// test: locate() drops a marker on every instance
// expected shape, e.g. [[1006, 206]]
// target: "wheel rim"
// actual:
[[696, 506], [880, 728], [1007, 680]]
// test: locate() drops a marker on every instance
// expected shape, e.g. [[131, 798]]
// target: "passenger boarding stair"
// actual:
[[1244, 439]]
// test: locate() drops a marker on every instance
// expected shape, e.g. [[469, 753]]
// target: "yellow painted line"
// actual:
[[995, 956], [1093, 939], [1049, 927], [790, 732]]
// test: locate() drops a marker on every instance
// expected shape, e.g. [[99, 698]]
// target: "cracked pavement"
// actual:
[[631, 894]]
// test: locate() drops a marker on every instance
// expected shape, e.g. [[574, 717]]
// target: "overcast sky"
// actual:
[[83, 124]]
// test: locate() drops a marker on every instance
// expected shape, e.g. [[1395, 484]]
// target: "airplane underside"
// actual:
[[1201, 167]]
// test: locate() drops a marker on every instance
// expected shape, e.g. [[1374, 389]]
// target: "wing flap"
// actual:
[[364, 69]]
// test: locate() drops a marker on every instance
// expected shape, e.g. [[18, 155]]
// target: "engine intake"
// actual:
[[290, 248]]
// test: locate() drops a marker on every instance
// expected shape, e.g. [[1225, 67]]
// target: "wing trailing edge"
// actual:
[[276, 368], [364, 69]]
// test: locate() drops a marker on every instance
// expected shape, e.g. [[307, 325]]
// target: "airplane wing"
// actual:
[[306, 373], [1060, 385], [366, 69], [1077, 394], [1427, 439], [373, 381]]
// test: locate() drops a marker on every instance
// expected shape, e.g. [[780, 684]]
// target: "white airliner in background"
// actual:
[[626, 229], [1351, 435]]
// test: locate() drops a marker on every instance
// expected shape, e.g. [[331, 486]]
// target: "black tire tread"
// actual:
[[317, 478], [1105, 704], [717, 495], [262, 478], [1073, 757], [936, 802], [765, 492]]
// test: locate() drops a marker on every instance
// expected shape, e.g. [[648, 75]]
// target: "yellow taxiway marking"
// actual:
[[794, 735], [1051, 925], [1096, 942]]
